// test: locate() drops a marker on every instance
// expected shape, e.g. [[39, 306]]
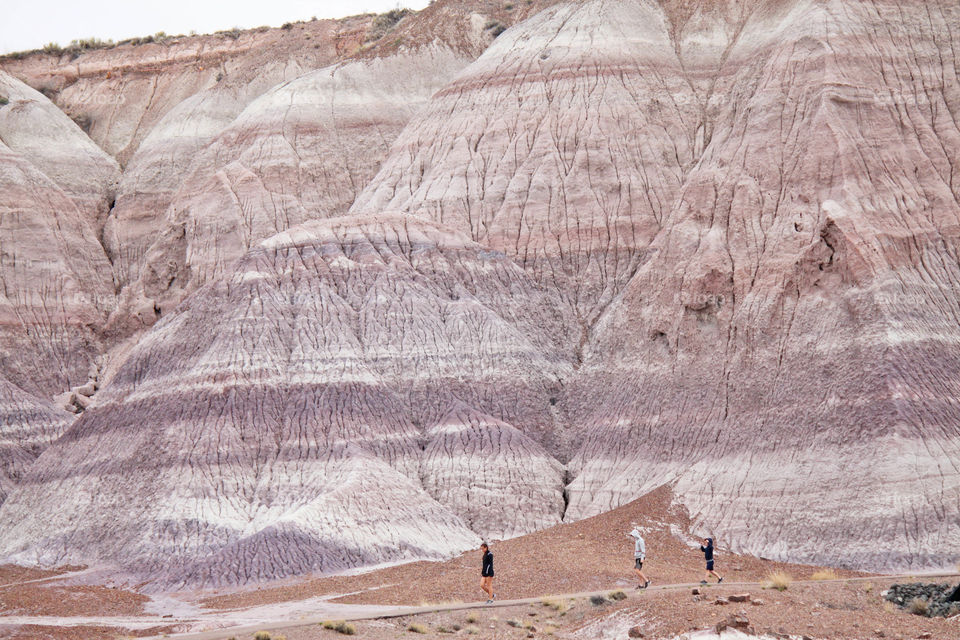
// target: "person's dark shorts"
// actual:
[[709, 565], [486, 575], [638, 563]]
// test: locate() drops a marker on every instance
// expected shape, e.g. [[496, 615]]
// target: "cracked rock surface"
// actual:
[[406, 300], [274, 425]]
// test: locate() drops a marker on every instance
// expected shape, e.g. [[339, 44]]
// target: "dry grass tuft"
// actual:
[[414, 627], [919, 607], [779, 580], [261, 635], [825, 574], [340, 626], [557, 605], [472, 618], [617, 595]]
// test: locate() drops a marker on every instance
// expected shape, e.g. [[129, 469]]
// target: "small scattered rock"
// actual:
[[736, 621], [757, 602], [721, 601], [86, 390], [740, 597], [696, 591], [926, 635], [696, 598], [636, 632]]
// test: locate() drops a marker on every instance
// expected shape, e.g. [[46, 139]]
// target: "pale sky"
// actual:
[[30, 24]]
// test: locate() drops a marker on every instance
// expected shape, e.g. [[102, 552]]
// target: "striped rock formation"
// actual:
[[635, 243], [272, 146], [57, 283], [298, 415], [753, 212], [27, 426]]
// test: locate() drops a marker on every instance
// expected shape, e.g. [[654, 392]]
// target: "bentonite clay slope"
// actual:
[[788, 353], [170, 146], [56, 281], [121, 93], [276, 423], [36, 129], [27, 426], [303, 150], [563, 146]]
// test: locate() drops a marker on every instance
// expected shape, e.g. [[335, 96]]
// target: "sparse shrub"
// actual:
[[443, 629], [889, 607], [472, 618], [598, 601], [4, 101], [867, 588], [385, 22], [618, 595], [414, 627], [261, 635], [508, 6], [472, 631], [52, 47], [825, 574], [495, 28], [160, 36], [919, 607], [340, 626], [557, 605], [516, 624], [779, 580], [456, 627], [85, 44], [287, 26]]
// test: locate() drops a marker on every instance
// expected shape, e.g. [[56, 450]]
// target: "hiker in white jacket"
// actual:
[[639, 555]]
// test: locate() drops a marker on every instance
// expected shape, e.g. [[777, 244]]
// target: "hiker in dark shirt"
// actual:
[[708, 556], [486, 573]]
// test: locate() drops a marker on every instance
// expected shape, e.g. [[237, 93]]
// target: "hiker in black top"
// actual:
[[486, 573], [708, 556]]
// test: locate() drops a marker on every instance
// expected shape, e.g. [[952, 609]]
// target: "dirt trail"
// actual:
[[371, 612]]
